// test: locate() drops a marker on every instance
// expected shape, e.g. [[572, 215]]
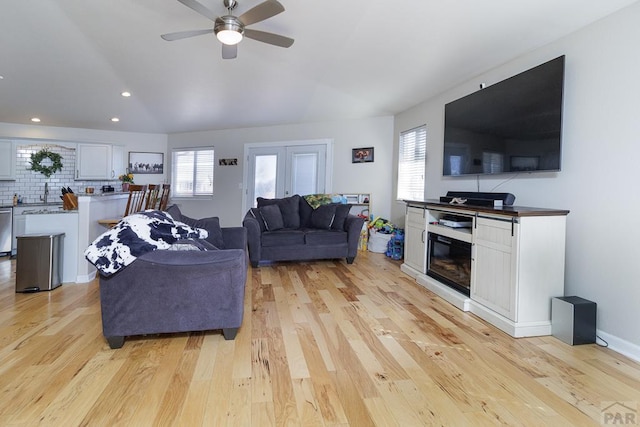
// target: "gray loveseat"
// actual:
[[167, 291], [289, 229]]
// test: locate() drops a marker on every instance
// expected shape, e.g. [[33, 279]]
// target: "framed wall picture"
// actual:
[[362, 155], [145, 163]]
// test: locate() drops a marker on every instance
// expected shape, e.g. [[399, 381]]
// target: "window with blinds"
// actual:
[[192, 172], [411, 163]]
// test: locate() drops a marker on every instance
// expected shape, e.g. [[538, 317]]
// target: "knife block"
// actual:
[[69, 202]]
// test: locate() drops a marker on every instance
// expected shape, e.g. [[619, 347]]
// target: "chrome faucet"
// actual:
[[46, 193]]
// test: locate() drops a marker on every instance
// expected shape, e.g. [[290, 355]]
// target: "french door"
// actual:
[[276, 171]]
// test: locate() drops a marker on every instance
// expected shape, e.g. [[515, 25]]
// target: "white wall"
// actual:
[[600, 168], [375, 178], [130, 140]]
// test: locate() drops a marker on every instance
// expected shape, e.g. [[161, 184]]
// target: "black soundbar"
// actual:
[[479, 198]]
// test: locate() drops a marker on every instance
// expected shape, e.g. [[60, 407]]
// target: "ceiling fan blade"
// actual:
[[229, 51], [193, 4], [264, 10], [263, 36], [185, 34]]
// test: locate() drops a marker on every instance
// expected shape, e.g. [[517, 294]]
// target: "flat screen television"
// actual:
[[509, 127]]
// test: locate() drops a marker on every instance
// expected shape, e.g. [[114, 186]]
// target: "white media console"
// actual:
[[516, 261]]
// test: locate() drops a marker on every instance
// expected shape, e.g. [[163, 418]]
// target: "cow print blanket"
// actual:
[[136, 235]]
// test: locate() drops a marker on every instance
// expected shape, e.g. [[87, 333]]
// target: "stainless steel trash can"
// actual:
[[39, 262]]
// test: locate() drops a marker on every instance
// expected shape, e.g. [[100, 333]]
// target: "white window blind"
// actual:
[[411, 164], [192, 172]]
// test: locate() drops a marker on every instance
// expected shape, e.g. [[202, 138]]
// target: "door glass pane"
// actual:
[[265, 177], [304, 173]]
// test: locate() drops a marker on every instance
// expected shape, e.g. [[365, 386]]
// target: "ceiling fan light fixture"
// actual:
[[229, 30]]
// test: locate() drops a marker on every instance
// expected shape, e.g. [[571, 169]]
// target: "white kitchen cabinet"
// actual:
[[18, 226], [118, 161], [94, 162], [7, 160], [415, 238]]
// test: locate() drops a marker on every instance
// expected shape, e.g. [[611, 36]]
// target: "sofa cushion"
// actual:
[[342, 211], [282, 237], [272, 217], [289, 208], [325, 237], [211, 224], [322, 217], [191, 245]]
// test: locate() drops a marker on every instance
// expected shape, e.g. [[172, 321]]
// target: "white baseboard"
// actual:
[[619, 345], [85, 278]]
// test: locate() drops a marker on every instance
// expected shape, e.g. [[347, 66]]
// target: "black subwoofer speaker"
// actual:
[[573, 320]]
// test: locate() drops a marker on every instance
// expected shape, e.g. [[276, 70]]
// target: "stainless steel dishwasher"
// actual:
[[6, 228]]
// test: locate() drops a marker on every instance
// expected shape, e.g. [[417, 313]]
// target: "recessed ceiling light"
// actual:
[[1, 77], [126, 94], [35, 120], [115, 119]]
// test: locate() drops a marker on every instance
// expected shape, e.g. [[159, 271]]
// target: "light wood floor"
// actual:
[[322, 344]]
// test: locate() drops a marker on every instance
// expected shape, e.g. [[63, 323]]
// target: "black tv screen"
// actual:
[[512, 126]]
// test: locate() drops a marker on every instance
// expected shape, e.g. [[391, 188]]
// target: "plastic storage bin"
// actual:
[[378, 241], [39, 262]]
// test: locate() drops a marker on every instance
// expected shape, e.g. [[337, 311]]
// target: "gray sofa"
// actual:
[[289, 229], [167, 291]]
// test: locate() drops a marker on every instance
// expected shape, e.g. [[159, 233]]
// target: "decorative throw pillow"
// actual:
[[304, 210], [342, 211], [174, 212], [322, 217], [212, 225], [289, 208], [272, 217], [255, 213]]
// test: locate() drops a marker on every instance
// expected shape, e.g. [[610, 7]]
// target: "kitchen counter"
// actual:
[[46, 210], [24, 205], [107, 194]]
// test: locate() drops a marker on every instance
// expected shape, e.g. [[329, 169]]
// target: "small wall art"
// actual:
[[146, 163], [228, 162], [362, 155]]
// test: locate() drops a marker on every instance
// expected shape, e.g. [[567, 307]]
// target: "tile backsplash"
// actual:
[[30, 184]]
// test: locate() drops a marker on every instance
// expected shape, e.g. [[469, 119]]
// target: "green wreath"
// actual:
[[37, 158]]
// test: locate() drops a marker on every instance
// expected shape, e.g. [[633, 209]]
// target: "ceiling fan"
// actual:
[[230, 29]]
